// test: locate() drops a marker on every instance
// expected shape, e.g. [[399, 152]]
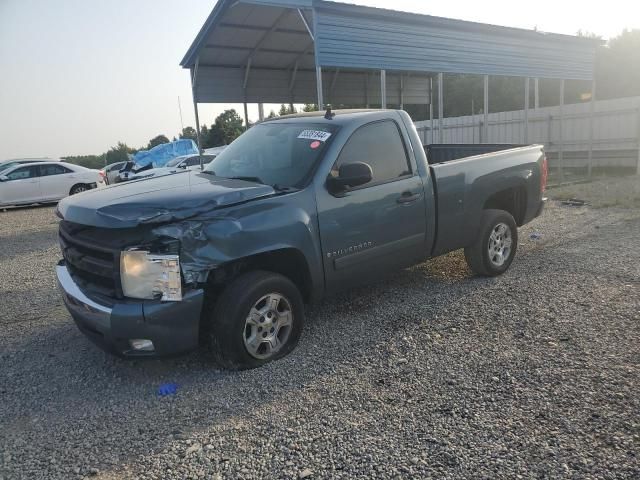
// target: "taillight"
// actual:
[[544, 174], [101, 173]]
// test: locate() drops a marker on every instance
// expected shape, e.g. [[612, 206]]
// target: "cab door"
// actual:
[[22, 185], [377, 227], [56, 181]]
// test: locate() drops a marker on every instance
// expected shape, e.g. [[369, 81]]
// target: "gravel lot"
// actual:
[[433, 373]]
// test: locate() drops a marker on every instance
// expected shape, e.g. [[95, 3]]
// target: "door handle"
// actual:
[[408, 197]]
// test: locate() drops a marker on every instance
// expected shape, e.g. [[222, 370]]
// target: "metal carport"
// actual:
[[315, 51]]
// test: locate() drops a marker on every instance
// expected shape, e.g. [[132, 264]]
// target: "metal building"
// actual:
[[315, 51]]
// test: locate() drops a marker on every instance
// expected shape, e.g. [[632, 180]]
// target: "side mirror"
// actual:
[[4, 178], [182, 165], [350, 175]]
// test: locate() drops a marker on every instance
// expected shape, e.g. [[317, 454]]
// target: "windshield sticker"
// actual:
[[314, 135], [315, 144]]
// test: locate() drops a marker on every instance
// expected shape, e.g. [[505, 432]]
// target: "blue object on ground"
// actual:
[[167, 389], [535, 236], [159, 155]]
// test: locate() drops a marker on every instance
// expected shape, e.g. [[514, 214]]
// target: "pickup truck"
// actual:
[[297, 208]]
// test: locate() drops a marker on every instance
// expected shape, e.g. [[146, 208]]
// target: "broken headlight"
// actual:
[[146, 275]]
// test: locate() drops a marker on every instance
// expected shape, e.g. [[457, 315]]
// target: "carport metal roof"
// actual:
[[309, 51], [272, 51]]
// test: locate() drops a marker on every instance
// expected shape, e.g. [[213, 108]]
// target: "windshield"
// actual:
[[174, 162], [281, 154], [5, 166]]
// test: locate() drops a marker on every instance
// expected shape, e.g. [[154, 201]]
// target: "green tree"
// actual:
[[189, 133], [157, 140], [286, 110], [310, 107], [119, 153], [272, 114], [618, 66], [226, 128], [88, 161]]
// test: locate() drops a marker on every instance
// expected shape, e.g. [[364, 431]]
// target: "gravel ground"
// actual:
[[604, 192], [433, 373]]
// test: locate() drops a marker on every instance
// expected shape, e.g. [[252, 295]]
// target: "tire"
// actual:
[[237, 343], [79, 188], [498, 236]]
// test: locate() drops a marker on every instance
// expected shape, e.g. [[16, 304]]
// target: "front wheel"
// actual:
[[496, 245], [257, 318]]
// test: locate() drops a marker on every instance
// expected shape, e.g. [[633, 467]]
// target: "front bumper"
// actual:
[[172, 326]]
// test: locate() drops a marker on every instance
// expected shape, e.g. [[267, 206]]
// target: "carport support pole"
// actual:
[[485, 129], [560, 138], [536, 93], [246, 117], [440, 108], [431, 129], [261, 111], [383, 89], [592, 105], [638, 125], [194, 75], [319, 87], [526, 110]]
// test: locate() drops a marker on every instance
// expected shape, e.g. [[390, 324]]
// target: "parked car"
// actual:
[[110, 173], [21, 161], [42, 182], [186, 162], [295, 209]]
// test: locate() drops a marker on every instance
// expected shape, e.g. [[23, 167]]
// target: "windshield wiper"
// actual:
[[284, 188], [246, 179]]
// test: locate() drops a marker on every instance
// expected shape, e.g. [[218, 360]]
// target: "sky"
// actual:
[[77, 76]]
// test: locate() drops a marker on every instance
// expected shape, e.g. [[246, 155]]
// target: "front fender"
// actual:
[[221, 236]]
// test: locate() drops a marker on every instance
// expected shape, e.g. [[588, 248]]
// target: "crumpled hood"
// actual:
[[159, 199]]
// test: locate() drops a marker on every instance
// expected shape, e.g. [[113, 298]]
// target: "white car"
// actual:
[[43, 182], [20, 161], [178, 164], [111, 173]]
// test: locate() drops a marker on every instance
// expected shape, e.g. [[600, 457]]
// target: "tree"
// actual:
[[310, 107], [157, 140], [88, 161], [119, 153], [272, 114], [618, 66], [227, 127], [190, 133], [286, 110]]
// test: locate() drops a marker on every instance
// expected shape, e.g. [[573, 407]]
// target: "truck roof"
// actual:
[[339, 116]]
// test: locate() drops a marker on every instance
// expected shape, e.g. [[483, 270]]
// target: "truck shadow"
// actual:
[[70, 377]]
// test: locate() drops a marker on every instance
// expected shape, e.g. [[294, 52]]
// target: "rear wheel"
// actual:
[[496, 245], [79, 188], [257, 318]]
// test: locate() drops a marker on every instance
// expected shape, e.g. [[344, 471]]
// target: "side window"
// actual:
[[195, 161], [24, 172], [47, 170], [380, 145]]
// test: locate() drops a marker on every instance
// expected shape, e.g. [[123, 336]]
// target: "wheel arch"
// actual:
[[512, 200], [289, 262]]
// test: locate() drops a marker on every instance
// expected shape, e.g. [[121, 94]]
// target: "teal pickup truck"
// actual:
[[296, 208]]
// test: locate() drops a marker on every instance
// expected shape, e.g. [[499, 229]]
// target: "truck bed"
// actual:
[[446, 152], [463, 174]]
